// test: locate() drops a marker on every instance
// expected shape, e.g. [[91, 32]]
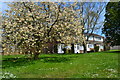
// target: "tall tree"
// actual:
[[31, 26], [91, 13], [112, 23]]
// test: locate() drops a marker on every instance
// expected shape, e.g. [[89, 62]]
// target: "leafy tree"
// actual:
[[31, 26], [112, 23]]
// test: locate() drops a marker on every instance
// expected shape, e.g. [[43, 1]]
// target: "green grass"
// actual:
[[90, 65]]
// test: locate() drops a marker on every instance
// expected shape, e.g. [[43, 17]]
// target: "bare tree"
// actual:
[[91, 13]]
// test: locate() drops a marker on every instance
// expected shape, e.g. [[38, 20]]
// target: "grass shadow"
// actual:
[[14, 62], [113, 52], [55, 59]]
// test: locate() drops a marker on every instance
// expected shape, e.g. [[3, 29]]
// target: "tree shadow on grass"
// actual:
[[14, 62], [55, 59], [113, 52]]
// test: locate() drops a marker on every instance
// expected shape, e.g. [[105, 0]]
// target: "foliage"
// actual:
[[92, 50], [112, 23], [92, 65], [33, 26], [96, 48], [106, 45], [68, 51]]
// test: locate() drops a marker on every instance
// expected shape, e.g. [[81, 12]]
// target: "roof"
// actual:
[[93, 35]]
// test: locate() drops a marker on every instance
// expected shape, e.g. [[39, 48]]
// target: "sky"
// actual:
[[3, 7]]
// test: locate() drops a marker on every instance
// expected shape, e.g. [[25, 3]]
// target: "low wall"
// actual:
[[115, 47]]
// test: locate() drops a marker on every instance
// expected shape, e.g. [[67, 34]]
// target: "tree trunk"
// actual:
[[72, 48], [55, 48], [36, 56], [2, 51], [84, 45]]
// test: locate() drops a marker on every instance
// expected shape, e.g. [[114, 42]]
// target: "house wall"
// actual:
[[78, 48], [75, 49], [101, 47], [91, 38], [95, 38], [60, 46], [90, 47], [98, 39]]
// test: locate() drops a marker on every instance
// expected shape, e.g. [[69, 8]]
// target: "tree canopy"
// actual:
[[112, 23], [30, 25]]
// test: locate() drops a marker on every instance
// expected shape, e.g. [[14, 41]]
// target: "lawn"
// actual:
[[90, 65]]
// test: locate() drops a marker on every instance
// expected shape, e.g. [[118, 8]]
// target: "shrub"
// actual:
[[92, 50], [96, 48], [64, 49]]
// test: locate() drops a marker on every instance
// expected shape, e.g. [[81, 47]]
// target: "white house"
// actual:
[[94, 40]]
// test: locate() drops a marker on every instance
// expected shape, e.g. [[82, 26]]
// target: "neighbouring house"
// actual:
[[94, 40], [117, 47]]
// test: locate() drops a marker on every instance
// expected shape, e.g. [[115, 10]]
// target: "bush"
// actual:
[[64, 49], [96, 48], [106, 47], [92, 50], [67, 50]]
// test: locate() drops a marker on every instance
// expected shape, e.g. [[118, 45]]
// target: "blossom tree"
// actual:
[[30, 26]]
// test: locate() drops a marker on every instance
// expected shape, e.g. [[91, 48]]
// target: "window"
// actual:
[[90, 46], [77, 46], [91, 37], [98, 38], [101, 47]]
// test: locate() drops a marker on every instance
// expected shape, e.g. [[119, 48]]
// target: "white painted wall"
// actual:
[[101, 47], [88, 49], [78, 47], [90, 38], [90, 46], [60, 48], [75, 48], [102, 39], [96, 39], [85, 37], [81, 48]]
